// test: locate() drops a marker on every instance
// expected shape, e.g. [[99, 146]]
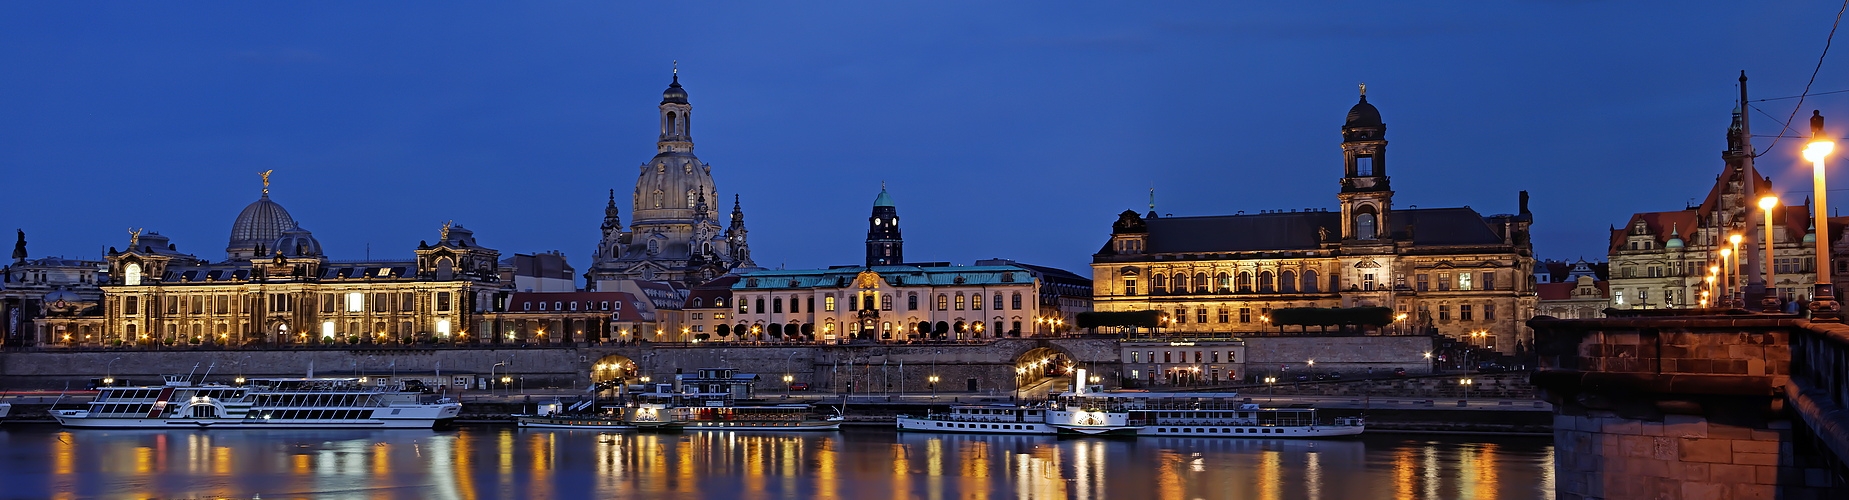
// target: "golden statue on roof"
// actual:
[[266, 180]]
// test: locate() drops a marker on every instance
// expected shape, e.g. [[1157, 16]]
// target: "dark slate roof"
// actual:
[[1235, 233], [1299, 230]]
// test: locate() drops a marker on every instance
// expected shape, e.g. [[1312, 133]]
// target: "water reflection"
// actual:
[[45, 462]]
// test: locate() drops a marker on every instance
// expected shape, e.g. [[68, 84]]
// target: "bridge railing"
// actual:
[[1819, 384]]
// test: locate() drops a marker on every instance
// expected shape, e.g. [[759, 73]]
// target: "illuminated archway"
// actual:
[[612, 371], [1036, 365]]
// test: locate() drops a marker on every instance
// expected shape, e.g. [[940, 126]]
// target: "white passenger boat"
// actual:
[[1201, 414], [579, 415], [323, 403], [982, 419], [719, 399]]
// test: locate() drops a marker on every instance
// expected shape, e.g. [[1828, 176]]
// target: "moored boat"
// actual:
[[720, 399], [981, 419], [320, 403], [580, 415]]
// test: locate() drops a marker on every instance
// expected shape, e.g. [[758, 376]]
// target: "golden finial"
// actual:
[[266, 181], [446, 226], [1364, 90], [134, 237]]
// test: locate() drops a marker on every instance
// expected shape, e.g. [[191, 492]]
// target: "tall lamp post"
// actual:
[[1726, 294], [933, 380], [1466, 382], [1769, 303], [1738, 291], [1270, 388], [1823, 306]]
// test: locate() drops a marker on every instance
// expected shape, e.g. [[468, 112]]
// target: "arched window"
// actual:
[[1309, 282], [1221, 283], [131, 274], [1157, 284], [776, 304], [719, 302], [886, 303], [697, 302], [998, 301], [911, 301], [760, 305], [1200, 282], [975, 301], [1181, 283], [959, 301], [1017, 300], [1245, 281], [1264, 282], [943, 302], [1287, 282], [1364, 225], [673, 124]]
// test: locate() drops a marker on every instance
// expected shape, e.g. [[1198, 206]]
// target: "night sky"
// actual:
[[1002, 129]]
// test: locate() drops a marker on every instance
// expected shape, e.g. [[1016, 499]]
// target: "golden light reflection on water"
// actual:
[[509, 463]]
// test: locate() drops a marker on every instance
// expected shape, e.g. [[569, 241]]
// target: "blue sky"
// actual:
[[1002, 129]]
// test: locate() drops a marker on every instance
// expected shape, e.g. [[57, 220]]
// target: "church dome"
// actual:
[[1674, 243], [674, 94], [261, 223], [296, 242], [1810, 238], [1363, 115]]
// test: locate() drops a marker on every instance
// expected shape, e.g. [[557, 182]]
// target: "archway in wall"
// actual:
[[1043, 372], [612, 371]]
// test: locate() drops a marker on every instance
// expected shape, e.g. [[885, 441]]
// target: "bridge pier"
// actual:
[[1679, 407]]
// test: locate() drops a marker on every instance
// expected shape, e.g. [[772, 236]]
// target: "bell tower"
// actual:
[[1367, 196], [884, 245]]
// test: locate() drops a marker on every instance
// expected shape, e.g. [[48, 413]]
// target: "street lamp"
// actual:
[[1770, 301], [1739, 287], [506, 384], [1823, 306], [1270, 388], [1466, 382], [110, 369], [933, 380], [491, 376], [1726, 295], [786, 385]]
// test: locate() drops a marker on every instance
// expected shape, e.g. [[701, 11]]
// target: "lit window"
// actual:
[[131, 274], [443, 327], [828, 303], [356, 302], [1463, 281]]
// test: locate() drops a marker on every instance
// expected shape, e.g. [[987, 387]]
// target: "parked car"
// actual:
[[1491, 367], [799, 386], [1399, 372]]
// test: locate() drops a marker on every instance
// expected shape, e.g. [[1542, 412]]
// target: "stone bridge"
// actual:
[[1733, 406]]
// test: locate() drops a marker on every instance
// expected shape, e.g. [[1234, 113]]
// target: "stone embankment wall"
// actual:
[[1495, 386], [1676, 407], [1345, 355]]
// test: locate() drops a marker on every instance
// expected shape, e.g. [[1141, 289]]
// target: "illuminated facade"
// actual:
[[285, 291], [1662, 259], [1450, 271], [888, 303], [49, 300], [676, 234]]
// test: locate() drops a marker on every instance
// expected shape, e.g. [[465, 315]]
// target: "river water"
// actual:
[[41, 461]]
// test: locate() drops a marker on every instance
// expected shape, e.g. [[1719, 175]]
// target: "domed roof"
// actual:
[[1363, 115], [296, 242], [674, 94], [1673, 243], [261, 223], [884, 200]]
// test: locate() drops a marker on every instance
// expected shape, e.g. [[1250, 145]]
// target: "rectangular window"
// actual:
[[378, 302], [911, 302], [1245, 315], [1423, 281], [776, 305], [1489, 312], [1489, 280], [744, 305], [1463, 312], [1364, 166], [131, 305], [356, 302], [327, 302], [1136, 357], [1200, 315], [1367, 282], [1463, 281], [443, 301], [1226, 316], [1129, 286], [1399, 280], [1168, 356], [407, 302], [1181, 315], [1214, 357], [1017, 301], [960, 300], [943, 303], [1444, 312], [975, 301], [828, 303], [1444, 282]]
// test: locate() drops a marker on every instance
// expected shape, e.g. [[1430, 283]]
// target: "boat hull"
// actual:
[[1251, 431], [761, 426], [1086, 430], [574, 423], [913, 424]]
